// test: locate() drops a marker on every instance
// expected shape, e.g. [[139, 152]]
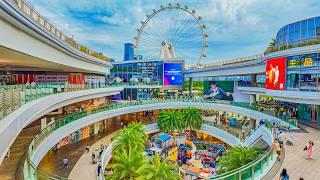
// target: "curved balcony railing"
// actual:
[[253, 170], [35, 15], [32, 170], [14, 96]]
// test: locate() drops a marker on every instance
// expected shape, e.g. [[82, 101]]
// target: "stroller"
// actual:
[[290, 141]]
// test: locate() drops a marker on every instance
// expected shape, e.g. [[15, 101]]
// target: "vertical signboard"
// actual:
[[276, 73], [173, 74]]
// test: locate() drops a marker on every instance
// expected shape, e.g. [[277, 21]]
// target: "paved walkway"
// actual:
[[11, 168], [295, 162], [52, 162], [84, 169]]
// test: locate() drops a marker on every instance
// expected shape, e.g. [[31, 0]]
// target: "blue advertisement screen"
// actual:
[[173, 74]]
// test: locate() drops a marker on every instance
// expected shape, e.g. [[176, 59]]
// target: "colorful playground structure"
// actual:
[[194, 158]]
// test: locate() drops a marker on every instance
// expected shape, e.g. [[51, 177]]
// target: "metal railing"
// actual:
[[35, 15], [226, 62], [14, 96], [31, 170]]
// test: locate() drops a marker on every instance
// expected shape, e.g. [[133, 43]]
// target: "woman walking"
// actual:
[[277, 147], [309, 150]]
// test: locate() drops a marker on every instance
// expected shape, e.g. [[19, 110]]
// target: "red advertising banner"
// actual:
[[276, 74]]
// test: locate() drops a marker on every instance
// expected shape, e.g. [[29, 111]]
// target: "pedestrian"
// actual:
[[261, 122], [283, 138], [100, 153], [309, 150], [121, 123], [87, 148], [99, 168], [65, 162], [284, 175], [93, 158], [277, 147], [101, 147]]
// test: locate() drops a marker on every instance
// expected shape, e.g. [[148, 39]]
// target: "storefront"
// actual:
[[147, 72], [303, 72], [83, 133]]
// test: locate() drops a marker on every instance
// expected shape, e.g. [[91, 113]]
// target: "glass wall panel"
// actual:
[[147, 72], [285, 34], [311, 28], [293, 72], [318, 27], [291, 33], [297, 32], [304, 32]]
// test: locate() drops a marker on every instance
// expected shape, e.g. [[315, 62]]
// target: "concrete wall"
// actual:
[[20, 33]]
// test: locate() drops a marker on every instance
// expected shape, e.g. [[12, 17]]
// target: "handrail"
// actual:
[[39, 19], [221, 176], [237, 172], [225, 62], [70, 118], [13, 97]]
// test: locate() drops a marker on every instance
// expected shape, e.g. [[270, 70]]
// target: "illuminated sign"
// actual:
[[173, 74], [276, 74], [302, 61]]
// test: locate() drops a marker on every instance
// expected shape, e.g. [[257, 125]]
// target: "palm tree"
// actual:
[[132, 137], [192, 118], [169, 120], [237, 157], [272, 44], [157, 170], [127, 165]]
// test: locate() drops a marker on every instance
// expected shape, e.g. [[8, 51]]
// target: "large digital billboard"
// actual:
[[173, 74], [276, 73]]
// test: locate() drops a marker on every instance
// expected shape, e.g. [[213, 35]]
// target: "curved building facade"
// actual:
[[299, 33]]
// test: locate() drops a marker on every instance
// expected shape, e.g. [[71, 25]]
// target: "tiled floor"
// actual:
[[53, 161], [295, 162], [84, 169], [11, 168]]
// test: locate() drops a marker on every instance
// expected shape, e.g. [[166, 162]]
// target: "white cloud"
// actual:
[[235, 27]]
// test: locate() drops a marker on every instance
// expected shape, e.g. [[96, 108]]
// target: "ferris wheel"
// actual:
[[172, 31]]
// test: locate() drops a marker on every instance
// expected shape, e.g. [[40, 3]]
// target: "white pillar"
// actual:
[[253, 98]]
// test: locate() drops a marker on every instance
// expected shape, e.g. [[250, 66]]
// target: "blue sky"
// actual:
[[236, 28]]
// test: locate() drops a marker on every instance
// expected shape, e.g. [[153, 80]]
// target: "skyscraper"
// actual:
[[128, 52]]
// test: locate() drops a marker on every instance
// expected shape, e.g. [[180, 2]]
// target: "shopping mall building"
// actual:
[[56, 95]]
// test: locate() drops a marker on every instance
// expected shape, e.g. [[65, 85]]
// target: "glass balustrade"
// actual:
[[32, 171], [14, 96]]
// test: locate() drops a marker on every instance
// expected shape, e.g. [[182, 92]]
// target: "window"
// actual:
[[291, 33], [293, 72], [309, 79], [297, 32], [303, 73], [304, 32], [311, 28], [285, 34]]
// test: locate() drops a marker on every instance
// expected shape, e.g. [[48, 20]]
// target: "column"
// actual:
[[253, 80], [253, 98], [190, 86]]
